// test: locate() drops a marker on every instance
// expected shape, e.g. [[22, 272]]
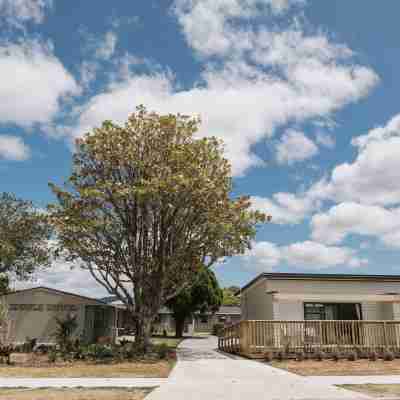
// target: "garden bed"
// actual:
[[379, 391], [73, 394], [339, 368]]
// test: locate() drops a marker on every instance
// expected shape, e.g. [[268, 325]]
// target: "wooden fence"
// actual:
[[255, 338]]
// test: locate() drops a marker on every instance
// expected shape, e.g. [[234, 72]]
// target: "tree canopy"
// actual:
[[230, 297], [146, 205], [204, 295], [24, 235]]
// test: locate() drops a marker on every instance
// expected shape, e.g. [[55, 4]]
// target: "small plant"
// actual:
[[388, 355], [218, 329], [300, 356], [52, 355], [98, 352], [64, 332], [29, 345], [373, 356], [280, 356], [320, 356], [268, 356], [162, 350], [352, 356]]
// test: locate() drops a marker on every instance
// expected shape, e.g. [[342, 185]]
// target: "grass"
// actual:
[[142, 369], [338, 368], [375, 390], [169, 341], [73, 394]]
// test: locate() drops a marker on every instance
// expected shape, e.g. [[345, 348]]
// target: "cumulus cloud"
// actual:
[[285, 208], [294, 146], [354, 218], [106, 47], [36, 83], [17, 12], [256, 85], [13, 148], [374, 176], [62, 276], [266, 255], [325, 139]]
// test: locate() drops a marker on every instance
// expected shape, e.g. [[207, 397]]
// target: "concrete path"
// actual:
[[80, 382], [204, 374], [356, 380]]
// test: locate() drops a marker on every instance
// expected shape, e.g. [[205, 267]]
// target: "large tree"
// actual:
[[148, 203], [24, 235], [204, 295], [231, 298]]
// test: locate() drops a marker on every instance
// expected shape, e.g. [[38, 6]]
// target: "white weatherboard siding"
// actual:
[[256, 304], [288, 310]]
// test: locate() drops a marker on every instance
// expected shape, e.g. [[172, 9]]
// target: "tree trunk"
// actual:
[[143, 333], [179, 326]]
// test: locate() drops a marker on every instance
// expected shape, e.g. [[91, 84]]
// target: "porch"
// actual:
[[254, 338]]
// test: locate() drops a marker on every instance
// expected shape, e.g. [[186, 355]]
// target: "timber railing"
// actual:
[[255, 338]]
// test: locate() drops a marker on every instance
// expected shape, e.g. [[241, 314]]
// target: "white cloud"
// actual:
[[36, 82], [60, 276], [374, 176], [294, 146], [13, 148], [285, 208], [325, 139], [266, 255], [17, 12], [353, 218], [239, 101], [106, 47]]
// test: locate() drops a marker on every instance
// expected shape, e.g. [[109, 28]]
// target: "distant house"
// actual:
[[32, 314], [290, 296]]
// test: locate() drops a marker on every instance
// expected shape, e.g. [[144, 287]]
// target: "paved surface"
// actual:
[[356, 380], [204, 374], [80, 382]]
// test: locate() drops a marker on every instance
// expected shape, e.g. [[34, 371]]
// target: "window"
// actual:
[[332, 311]]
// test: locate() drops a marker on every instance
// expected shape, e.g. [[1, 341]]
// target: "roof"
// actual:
[[229, 310], [59, 292], [327, 277]]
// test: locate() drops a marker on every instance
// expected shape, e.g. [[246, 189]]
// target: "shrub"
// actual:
[[64, 331], [373, 356], [300, 356], [162, 350], [280, 356], [218, 329], [352, 356], [320, 356], [52, 355], [388, 355], [268, 356], [97, 352]]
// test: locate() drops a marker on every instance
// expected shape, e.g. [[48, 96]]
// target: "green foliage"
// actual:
[[162, 350], [147, 205], [98, 352], [64, 332], [229, 296], [29, 345], [218, 329], [24, 233], [52, 355], [203, 295]]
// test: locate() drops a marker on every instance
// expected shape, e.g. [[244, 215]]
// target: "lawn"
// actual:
[[134, 369], [169, 341], [342, 367], [73, 394], [375, 390]]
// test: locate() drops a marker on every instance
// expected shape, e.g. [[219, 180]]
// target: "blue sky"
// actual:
[[303, 92]]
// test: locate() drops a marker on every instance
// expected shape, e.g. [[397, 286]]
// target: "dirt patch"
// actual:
[[73, 394], [339, 368], [156, 369], [375, 390]]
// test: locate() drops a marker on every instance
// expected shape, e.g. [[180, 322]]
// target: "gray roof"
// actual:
[[330, 277]]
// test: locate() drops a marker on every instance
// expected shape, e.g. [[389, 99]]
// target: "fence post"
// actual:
[[385, 334], [244, 337]]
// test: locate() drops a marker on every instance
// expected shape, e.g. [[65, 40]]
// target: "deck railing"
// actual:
[[255, 338]]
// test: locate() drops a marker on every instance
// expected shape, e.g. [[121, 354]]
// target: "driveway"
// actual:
[[202, 373]]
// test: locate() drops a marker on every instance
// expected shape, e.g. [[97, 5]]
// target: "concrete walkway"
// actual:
[[356, 380], [81, 382], [204, 374]]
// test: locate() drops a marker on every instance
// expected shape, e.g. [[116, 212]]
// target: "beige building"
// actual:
[[288, 296], [32, 314]]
